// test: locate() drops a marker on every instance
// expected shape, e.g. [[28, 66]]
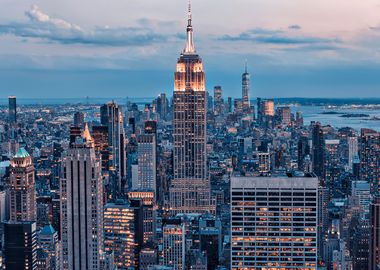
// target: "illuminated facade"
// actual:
[[147, 162], [119, 233], [190, 190], [81, 205], [174, 246], [274, 222], [22, 192]]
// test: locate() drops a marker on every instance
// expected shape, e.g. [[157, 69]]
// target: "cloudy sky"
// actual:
[[120, 48]]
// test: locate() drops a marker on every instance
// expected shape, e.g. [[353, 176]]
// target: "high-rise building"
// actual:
[[147, 162], [119, 233], [79, 119], [47, 239], [353, 150], [374, 240], [370, 158], [12, 107], [100, 136], [111, 116], [284, 115], [174, 246], [274, 222], [81, 205], [162, 106], [318, 150], [218, 100], [20, 249], [190, 190], [22, 191], [246, 77]]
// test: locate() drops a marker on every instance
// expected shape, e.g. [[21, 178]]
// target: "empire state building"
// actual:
[[190, 189]]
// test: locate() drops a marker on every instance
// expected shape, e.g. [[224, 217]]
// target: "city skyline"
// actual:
[[296, 55]]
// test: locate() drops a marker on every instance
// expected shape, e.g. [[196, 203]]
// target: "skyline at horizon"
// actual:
[[44, 53]]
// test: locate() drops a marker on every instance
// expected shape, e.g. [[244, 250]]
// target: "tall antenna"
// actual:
[[246, 66], [189, 13]]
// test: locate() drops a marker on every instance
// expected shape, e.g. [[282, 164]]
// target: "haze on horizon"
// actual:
[[119, 48]]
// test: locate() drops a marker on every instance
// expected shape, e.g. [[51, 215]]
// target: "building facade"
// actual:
[[81, 205], [274, 222]]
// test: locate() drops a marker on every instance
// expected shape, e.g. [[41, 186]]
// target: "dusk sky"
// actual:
[[119, 48]]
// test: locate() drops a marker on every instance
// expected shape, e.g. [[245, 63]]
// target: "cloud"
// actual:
[[42, 26], [294, 27], [284, 38]]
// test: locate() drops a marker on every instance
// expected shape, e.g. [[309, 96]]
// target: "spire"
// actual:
[[246, 66], [86, 134], [189, 49]]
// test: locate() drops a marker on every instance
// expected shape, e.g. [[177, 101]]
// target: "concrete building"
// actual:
[[274, 222], [81, 205]]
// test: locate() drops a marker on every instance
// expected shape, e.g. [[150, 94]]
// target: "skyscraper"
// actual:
[[318, 150], [147, 162], [22, 191], [218, 100], [246, 77], [79, 119], [12, 107], [119, 233], [274, 222], [20, 249], [81, 205], [112, 117], [190, 191]]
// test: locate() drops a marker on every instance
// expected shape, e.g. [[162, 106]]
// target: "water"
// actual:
[[314, 113]]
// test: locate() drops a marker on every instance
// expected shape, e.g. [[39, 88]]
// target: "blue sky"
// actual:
[[119, 48]]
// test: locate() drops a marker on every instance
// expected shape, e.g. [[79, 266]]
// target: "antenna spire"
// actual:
[[246, 66], [189, 49]]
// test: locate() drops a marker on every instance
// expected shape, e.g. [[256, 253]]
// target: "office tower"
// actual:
[[268, 107], [12, 107], [299, 119], [112, 117], [148, 258], [22, 193], [318, 152], [119, 233], [361, 190], [210, 239], [229, 104], [218, 100], [147, 162], [43, 212], [56, 215], [323, 218], [284, 114], [20, 249], [238, 105], [374, 240], [145, 200], [332, 169], [100, 136], [370, 158], [162, 106], [303, 150], [274, 222], [246, 77], [190, 190], [47, 239], [79, 119], [353, 150], [81, 205], [174, 245]]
